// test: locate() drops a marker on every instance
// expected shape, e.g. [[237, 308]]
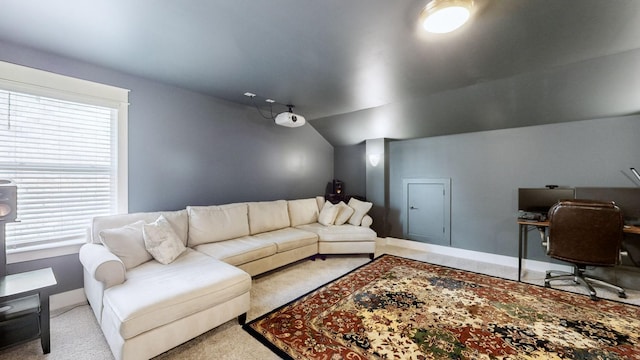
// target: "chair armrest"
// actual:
[[366, 221], [102, 264]]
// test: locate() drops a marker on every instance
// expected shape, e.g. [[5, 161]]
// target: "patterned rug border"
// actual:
[[281, 353], [256, 335]]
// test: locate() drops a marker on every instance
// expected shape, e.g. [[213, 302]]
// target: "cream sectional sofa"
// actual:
[[145, 307]]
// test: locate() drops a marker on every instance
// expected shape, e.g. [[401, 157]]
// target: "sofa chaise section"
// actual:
[[161, 306], [150, 308]]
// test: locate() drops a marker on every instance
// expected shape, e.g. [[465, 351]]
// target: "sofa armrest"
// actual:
[[102, 264], [366, 221]]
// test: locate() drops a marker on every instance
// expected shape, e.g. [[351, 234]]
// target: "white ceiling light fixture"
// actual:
[[444, 16], [287, 118]]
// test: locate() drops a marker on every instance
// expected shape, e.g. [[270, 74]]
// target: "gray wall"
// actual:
[[350, 167], [487, 168], [378, 185], [189, 149]]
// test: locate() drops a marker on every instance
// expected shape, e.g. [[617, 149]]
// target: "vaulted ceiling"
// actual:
[[337, 60]]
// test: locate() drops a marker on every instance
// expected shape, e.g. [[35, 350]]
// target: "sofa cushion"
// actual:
[[161, 241], [156, 294], [288, 239], [303, 211], [340, 233], [217, 223], [238, 251], [127, 243], [178, 220], [344, 213], [267, 216], [361, 208], [328, 214]]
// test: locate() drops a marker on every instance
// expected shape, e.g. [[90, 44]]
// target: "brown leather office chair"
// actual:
[[585, 233]]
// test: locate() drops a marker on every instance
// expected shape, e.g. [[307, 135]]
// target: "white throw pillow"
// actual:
[[328, 214], [127, 243], [178, 219], [361, 209], [161, 241], [344, 213]]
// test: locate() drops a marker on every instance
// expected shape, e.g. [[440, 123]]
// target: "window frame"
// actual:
[[39, 82]]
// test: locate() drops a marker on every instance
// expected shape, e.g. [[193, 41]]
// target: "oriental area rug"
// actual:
[[397, 308]]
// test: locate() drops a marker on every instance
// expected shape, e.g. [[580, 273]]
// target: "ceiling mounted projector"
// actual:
[[289, 119]]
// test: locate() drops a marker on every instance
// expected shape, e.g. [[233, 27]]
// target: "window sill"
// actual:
[[43, 251]]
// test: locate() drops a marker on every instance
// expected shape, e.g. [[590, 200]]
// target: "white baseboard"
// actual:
[[511, 261], [66, 299]]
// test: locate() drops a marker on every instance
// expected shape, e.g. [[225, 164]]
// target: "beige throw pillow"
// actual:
[[161, 241], [328, 214], [360, 210], [344, 213], [127, 243]]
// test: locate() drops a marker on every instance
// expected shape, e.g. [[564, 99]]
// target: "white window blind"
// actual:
[[62, 157]]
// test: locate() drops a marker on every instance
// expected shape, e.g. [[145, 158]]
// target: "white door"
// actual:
[[427, 210]]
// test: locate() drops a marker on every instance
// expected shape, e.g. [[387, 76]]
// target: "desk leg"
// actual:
[[44, 323], [522, 243]]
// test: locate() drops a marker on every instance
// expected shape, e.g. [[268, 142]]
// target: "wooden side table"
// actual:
[[22, 301]]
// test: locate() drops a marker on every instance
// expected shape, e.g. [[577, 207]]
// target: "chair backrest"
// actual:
[[585, 232]]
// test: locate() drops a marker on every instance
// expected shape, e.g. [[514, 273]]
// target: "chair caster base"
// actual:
[[579, 278]]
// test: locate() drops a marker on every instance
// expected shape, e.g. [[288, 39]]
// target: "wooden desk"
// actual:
[[26, 285], [631, 230], [542, 226]]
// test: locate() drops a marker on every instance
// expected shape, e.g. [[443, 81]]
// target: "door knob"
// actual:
[[413, 208]]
